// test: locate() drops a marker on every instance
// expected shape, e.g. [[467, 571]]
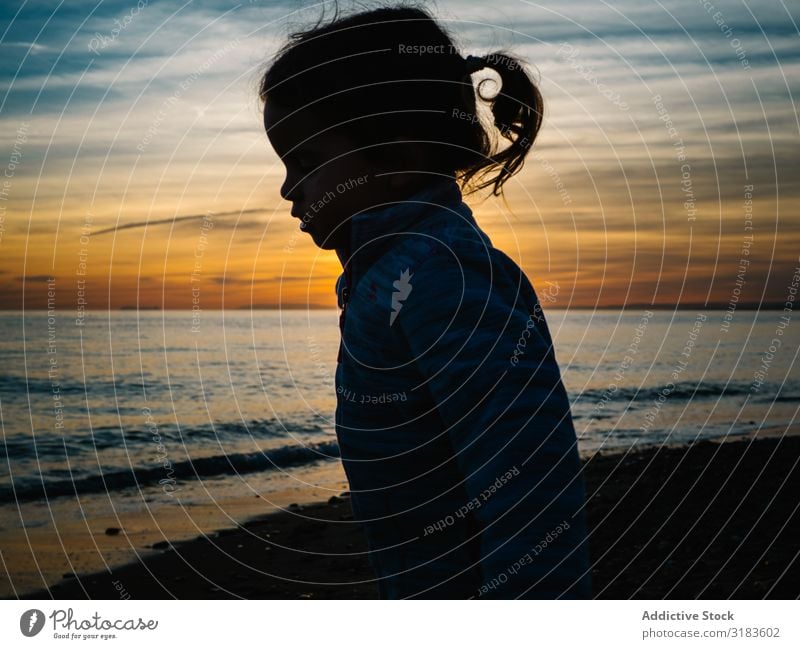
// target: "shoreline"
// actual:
[[705, 520], [66, 536]]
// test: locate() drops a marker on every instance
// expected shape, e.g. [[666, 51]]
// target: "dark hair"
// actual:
[[392, 74]]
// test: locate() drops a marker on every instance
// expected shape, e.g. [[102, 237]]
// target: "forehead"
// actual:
[[300, 130], [292, 130]]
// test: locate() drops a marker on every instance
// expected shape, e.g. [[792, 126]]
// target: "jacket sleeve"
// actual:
[[479, 339]]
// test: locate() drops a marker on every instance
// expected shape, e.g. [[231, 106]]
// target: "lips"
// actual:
[[304, 225]]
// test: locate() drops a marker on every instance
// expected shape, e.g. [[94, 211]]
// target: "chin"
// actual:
[[326, 243]]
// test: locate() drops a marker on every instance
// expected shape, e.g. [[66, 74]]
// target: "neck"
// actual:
[[399, 187]]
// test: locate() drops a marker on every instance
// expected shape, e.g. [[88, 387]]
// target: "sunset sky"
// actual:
[[121, 147]]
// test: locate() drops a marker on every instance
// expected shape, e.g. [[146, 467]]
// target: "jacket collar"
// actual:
[[368, 229]]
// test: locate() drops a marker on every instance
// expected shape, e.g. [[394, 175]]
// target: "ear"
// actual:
[[398, 155], [382, 161]]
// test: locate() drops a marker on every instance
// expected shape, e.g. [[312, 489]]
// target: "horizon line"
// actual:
[[767, 306]]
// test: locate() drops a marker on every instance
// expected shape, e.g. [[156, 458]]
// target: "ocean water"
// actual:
[[154, 402]]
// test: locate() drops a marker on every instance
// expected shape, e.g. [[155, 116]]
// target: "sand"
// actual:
[[712, 520]]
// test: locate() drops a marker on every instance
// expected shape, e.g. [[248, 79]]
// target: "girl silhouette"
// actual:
[[452, 420]]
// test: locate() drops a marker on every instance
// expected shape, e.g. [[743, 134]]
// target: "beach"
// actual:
[[706, 520], [174, 439]]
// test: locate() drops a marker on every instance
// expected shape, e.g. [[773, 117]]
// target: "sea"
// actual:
[[158, 407], [136, 399]]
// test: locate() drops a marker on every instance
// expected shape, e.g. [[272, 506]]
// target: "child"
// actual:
[[453, 423]]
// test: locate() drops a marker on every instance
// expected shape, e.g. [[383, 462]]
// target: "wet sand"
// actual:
[[712, 520]]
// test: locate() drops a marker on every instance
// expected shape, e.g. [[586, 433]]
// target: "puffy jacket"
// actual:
[[453, 423]]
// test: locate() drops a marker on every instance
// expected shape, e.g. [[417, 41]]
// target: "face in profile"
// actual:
[[328, 180]]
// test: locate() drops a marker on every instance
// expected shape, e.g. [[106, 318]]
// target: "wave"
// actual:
[[689, 390], [46, 446], [29, 489], [121, 387]]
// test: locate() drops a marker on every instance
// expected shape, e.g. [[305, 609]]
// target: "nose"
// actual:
[[290, 189]]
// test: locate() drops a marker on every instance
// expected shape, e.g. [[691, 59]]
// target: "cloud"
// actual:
[[178, 219], [34, 278], [275, 279]]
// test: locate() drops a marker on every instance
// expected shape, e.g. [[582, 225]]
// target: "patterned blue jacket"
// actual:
[[452, 420]]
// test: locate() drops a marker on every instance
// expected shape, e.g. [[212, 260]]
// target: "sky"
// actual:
[[136, 170]]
